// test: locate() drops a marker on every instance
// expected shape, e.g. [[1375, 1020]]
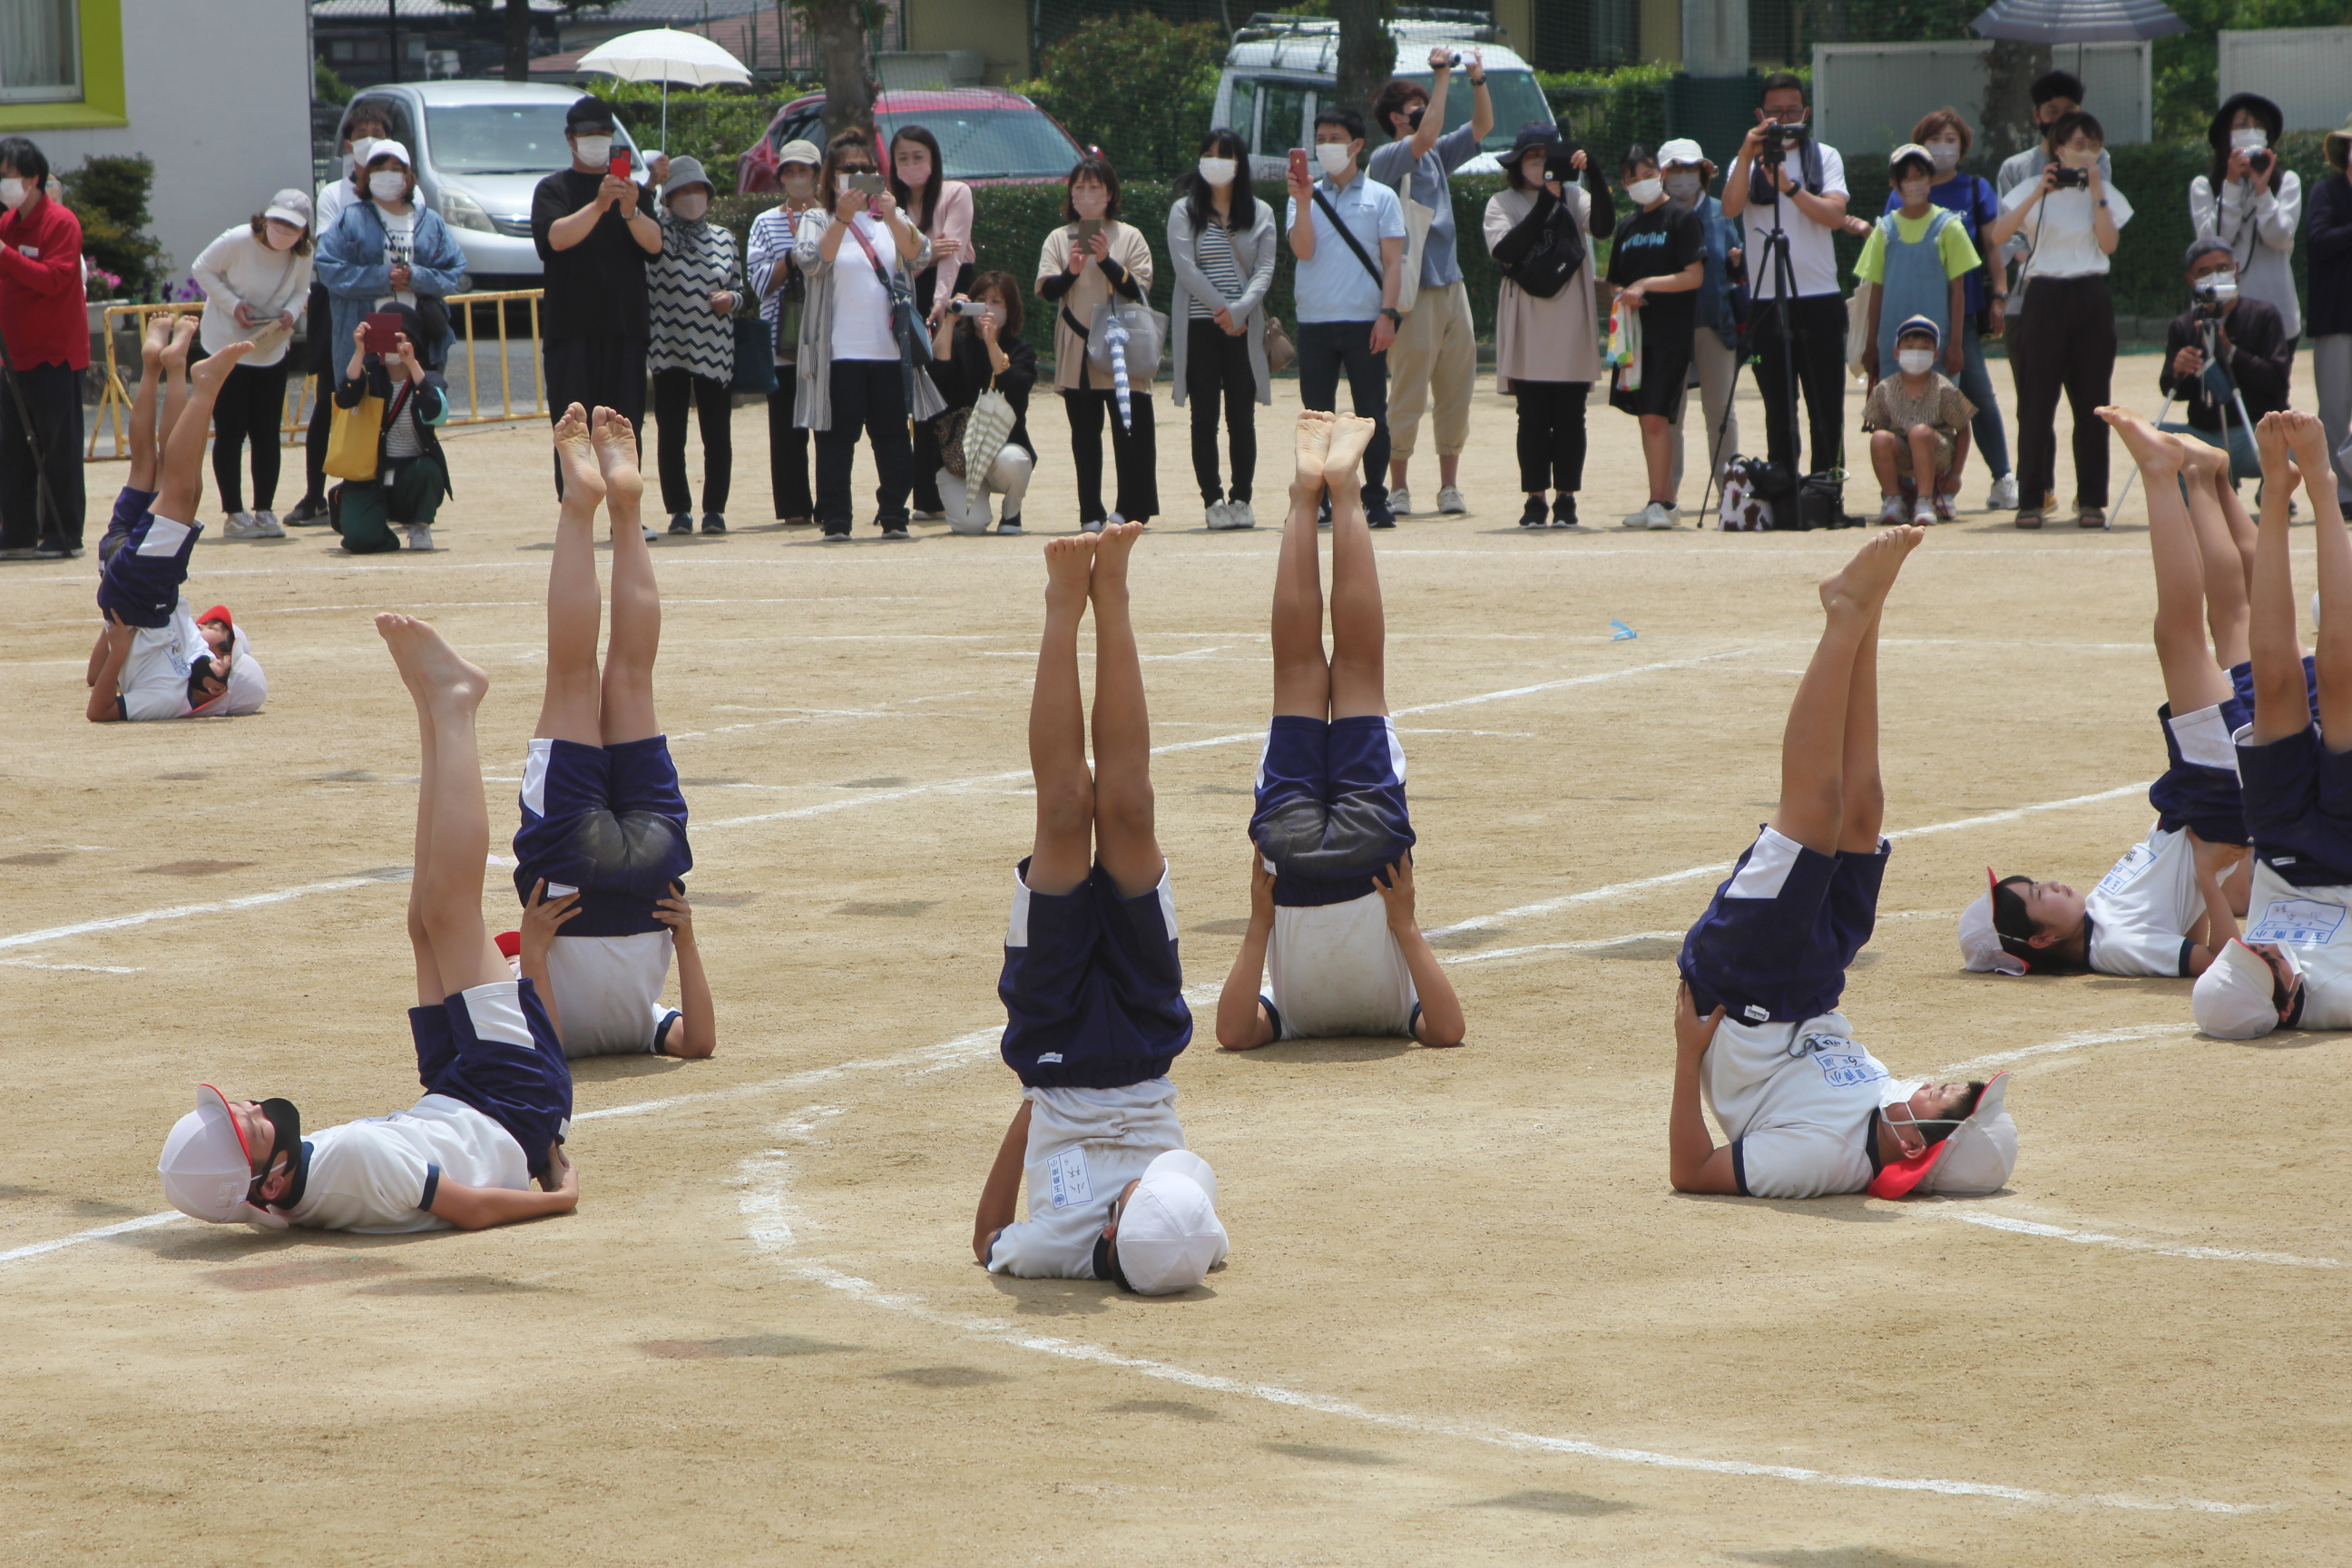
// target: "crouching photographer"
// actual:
[[2227, 358]]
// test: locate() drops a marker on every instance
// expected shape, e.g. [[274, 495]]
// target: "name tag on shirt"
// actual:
[[1066, 1179], [2127, 870], [1840, 1063], [2301, 922]]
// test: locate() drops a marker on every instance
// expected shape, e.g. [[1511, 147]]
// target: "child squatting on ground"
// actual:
[[1331, 895], [155, 658], [1809, 1110], [1917, 419], [498, 1093], [1093, 990]]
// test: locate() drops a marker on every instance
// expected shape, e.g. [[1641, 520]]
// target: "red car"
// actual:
[[986, 134]]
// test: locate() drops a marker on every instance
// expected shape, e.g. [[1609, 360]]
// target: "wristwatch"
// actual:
[[1395, 316]]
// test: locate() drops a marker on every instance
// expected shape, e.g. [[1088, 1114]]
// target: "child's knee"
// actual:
[[1883, 441], [1129, 808], [1069, 806], [1923, 434]]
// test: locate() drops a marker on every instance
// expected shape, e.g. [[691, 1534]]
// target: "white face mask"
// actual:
[[281, 237], [689, 206], [2077, 157], [1947, 155], [1683, 187], [1914, 191], [1335, 157], [13, 191], [1089, 200], [592, 148], [1916, 362], [357, 158], [388, 185], [1642, 193], [799, 183], [1218, 171], [2248, 139]]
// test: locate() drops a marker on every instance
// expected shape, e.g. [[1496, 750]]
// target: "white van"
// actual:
[[1281, 69]]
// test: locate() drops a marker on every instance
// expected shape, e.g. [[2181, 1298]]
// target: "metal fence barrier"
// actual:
[[467, 401]]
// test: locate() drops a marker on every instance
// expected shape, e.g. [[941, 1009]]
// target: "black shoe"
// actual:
[[307, 514], [681, 522], [895, 529], [837, 533], [1379, 516], [712, 522], [1533, 516], [56, 549], [1563, 510]]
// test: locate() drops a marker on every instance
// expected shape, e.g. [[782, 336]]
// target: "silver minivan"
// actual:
[[481, 148], [1278, 75]]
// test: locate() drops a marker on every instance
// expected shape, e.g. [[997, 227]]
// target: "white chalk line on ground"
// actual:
[[183, 911], [144, 1222], [2099, 1238]]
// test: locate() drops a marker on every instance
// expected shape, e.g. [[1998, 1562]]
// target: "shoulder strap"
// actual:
[[866, 245], [1345, 233]]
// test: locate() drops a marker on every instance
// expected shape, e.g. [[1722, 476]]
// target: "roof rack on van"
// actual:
[[1475, 26]]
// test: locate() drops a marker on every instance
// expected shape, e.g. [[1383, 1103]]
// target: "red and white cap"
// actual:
[[219, 613], [1980, 945], [1973, 1162], [207, 1166]]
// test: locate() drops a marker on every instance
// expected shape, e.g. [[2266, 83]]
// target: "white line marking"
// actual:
[[2178, 1033], [1589, 946], [182, 911], [2100, 1238], [143, 1222], [80, 968]]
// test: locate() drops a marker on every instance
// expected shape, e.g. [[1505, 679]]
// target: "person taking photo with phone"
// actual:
[[255, 277], [1090, 260]]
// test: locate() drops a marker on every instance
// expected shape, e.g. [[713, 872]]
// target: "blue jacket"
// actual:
[[351, 264], [1714, 304]]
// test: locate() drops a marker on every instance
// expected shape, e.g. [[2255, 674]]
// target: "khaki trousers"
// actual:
[[1436, 351], [1716, 364]]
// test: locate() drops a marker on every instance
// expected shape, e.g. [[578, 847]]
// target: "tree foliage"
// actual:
[[109, 196], [1135, 85]]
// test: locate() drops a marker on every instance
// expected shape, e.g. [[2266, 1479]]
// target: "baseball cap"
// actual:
[[2234, 997], [1975, 1161], [1168, 1233], [1681, 150], [1921, 324], [207, 1166], [290, 207], [219, 613], [588, 113], [799, 151], [1904, 154], [385, 147], [1980, 945]]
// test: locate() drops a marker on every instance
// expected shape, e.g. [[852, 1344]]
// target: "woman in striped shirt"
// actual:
[[1221, 240], [694, 286]]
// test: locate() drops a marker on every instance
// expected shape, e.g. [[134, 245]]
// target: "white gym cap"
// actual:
[[385, 147], [207, 1169], [1974, 1162], [1980, 945], [2235, 998], [1168, 1233], [1681, 150]]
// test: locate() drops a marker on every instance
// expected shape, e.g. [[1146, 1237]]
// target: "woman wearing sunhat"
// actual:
[[2330, 324], [2253, 202]]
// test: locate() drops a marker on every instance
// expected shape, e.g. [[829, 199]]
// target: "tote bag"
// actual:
[[1417, 219], [354, 438]]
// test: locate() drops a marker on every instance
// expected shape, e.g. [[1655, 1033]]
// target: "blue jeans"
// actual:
[[1976, 385]]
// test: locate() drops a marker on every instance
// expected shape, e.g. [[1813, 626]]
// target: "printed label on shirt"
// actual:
[[2127, 870], [1066, 1179], [2301, 922], [1840, 1063]]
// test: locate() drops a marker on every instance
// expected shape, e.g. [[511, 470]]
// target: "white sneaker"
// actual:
[[272, 527], [245, 525], [650, 536], [1220, 519], [1401, 501], [1449, 501], [1924, 514], [1658, 516], [1238, 515], [2002, 497], [1890, 510], [420, 536]]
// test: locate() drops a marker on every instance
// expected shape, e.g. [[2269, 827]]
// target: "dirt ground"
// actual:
[[1466, 1320]]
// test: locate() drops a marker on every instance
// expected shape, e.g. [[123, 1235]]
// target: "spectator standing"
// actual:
[[942, 208], [1805, 194], [1075, 278], [1347, 299], [46, 325], [776, 278], [411, 475], [969, 355], [2056, 95], [596, 233], [255, 277], [2331, 304], [694, 288], [1221, 246], [2253, 202], [2070, 232], [386, 249], [1985, 292], [1433, 364], [320, 346], [853, 369], [1686, 171], [1546, 347], [2254, 353], [1920, 257], [1656, 265]]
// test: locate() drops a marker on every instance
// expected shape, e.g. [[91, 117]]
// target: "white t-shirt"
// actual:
[[2310, 921], [1084, 1144], [1812, 258], [154, 679], [2058, 236], [607, 990], [861, 304], [1798, 1102], [399, 249], [1337, 969], [371, 1175], [2144, 908]]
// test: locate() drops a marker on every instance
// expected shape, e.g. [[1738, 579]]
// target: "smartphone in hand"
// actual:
[[868, 185], [1087, 229], [381, 330], [1299, 165], [618, 166]]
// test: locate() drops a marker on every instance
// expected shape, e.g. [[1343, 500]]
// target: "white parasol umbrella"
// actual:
[[2077, 21], [666, 55]]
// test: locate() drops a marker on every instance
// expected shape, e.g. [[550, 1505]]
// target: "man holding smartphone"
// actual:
[[595, 230]]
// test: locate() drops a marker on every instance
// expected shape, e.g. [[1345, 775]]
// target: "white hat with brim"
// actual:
[[385, 147], [799, 151], [1974, 1162], [1681, 150], [1980, 946], [207, 1168], [2234, 998], [1169, 1233]]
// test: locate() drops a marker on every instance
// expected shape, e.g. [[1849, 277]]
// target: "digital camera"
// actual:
[[1780, 138], [974, 308], [2071, 179], [1558, 163]]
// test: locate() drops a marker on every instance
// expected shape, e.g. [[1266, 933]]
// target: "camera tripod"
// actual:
[[2208, 333], [1782, 271]]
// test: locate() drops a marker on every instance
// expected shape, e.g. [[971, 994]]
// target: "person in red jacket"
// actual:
[[47, 335]]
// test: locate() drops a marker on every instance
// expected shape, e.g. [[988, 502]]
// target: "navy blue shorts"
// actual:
[[494, 1048], [1777, 938], [608, 820], [2298, 798], [2196, 794], [1330, 806], [130, 505], [1093, 990], [141, 584]]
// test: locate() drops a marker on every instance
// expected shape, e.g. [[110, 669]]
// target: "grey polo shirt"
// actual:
[[1439, 265]]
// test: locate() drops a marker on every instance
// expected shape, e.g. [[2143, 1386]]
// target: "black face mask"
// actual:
[[1412, 117]]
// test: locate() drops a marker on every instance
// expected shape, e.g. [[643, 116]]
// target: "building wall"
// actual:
[[997, 28], [218, 94], [1661, 32]]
